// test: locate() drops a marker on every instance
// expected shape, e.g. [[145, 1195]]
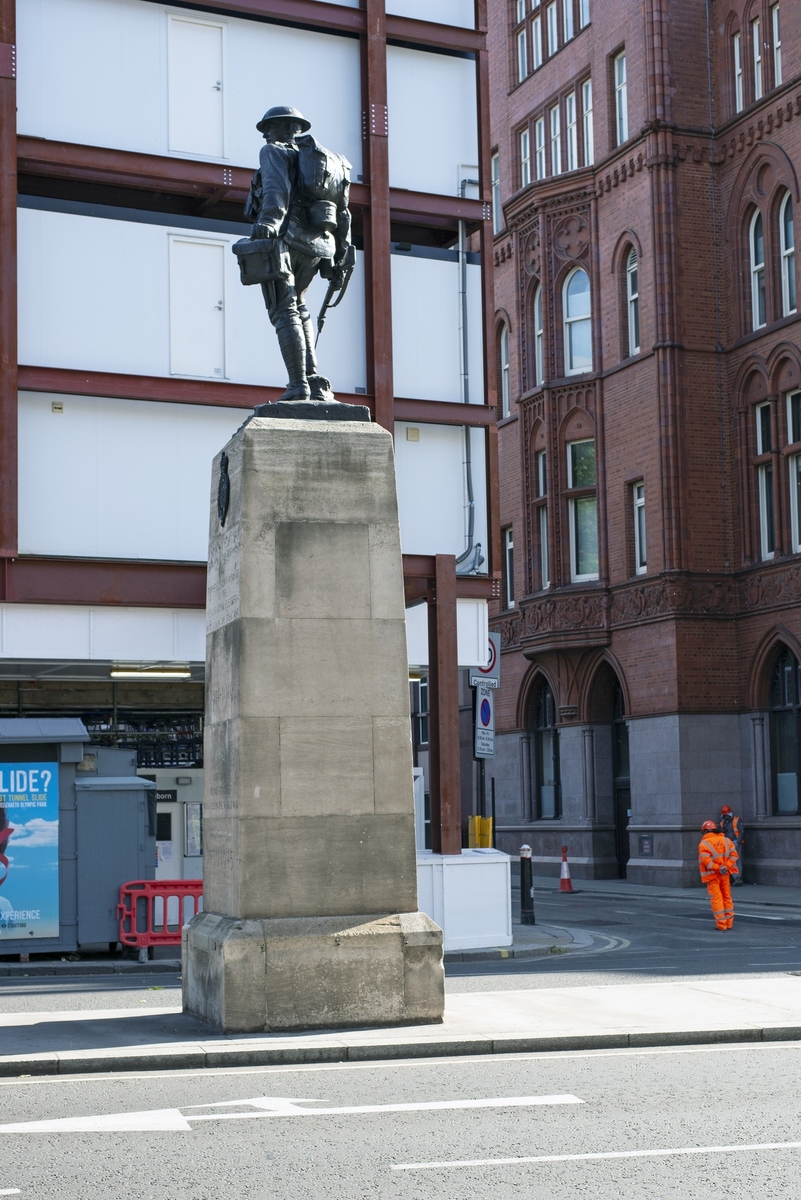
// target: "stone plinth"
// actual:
[[310, 889]]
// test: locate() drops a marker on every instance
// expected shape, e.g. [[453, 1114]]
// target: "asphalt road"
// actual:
[[243, 1135]]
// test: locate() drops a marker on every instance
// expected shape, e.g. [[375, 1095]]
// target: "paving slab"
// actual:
[[559, 1018]]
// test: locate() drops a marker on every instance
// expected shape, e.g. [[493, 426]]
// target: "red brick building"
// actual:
[[646, 161]]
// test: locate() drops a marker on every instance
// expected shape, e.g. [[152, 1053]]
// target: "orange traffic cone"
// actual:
[[564, 881]]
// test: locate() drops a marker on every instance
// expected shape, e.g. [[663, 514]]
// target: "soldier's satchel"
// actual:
[[322, 174], [262, 260]]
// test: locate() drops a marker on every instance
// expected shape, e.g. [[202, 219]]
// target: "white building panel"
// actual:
[[196, 74], [105, 295], [442, 12], [117, 478], [125, 62], [106, 634], [426, 329], [430, 91], [472, 633], [431, 488]]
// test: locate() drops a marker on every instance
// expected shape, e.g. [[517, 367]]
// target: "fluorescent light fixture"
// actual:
[[143, 673]]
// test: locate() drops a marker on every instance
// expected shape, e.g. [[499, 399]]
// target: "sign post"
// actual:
[[485, 681]]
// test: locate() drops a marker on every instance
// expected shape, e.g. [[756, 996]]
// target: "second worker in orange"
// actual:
[[717, 861]]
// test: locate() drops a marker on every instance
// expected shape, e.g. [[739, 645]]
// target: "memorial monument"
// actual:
[[310, 887]]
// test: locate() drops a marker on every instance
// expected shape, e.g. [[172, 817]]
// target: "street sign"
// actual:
[[490, 674], [485, 721]]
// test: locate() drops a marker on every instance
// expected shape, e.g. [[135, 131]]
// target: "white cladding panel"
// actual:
[[117, 478], [426, 329], [442, 12], [472, 630], [430, 92], [103, 295], [47, 631], [431, 488], [125, 83]]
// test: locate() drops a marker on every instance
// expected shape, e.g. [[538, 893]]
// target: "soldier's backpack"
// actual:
[[322, 174]]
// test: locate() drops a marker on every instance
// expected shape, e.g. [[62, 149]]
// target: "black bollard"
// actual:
[[526, 889]]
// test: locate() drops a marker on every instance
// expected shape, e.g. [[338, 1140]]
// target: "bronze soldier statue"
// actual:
[[298, 204]]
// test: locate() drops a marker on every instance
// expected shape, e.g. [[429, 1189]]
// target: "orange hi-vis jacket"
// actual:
[[716, 853]]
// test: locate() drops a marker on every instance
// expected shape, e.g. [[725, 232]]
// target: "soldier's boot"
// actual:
[[293, 351], [320, 386]]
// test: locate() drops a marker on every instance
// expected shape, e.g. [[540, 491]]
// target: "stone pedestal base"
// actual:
[[247, 976]]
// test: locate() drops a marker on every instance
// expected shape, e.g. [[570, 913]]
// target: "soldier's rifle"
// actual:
[[339, 283]]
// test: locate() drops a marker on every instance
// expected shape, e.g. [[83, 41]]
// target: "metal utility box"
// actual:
[[68, 838], [116, 842]]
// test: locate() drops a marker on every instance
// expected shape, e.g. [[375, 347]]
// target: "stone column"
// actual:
[[310, 886]]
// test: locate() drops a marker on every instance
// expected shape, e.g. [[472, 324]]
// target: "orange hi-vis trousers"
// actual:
[[719, 889]]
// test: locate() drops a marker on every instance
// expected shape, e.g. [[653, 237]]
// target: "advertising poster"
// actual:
[[28, 851]]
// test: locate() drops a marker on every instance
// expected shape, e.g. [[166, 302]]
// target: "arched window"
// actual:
[[621, 777], [578, 323], [757, 248], [633, 303], [785, 729], [539, 359], [787, 243], [503, 367], [546, 749]]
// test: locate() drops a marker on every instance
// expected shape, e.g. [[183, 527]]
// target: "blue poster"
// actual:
[[28, 851]]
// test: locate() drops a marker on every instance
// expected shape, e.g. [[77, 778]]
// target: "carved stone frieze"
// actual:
[[571, 613], [571, 238], [771, 589], [509, 630]]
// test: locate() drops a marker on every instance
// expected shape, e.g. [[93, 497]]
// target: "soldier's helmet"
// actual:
[[282, 112]]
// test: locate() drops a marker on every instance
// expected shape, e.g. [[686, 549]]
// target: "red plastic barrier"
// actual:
[[152, 912]]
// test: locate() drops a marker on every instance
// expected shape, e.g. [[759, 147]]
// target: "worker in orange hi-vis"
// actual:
[[733, 828], [717, 858]]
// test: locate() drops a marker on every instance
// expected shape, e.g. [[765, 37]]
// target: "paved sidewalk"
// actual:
[[747, 893], [561, 1018]]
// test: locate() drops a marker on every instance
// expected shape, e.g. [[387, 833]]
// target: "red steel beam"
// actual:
[[443, 726], [8, 279], [98, 581]]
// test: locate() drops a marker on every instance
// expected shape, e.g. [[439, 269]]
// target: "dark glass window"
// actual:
[[549, 800], [785, 727]]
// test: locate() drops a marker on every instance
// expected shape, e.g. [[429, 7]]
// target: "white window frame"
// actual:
[[536, 42], [589, 134], [545, 557], [633, 301], [756, 47], [539, 358], [521, 10], [567, 19], [573, 501], [621, 99], [789, 291], [522, 56], [638, 500], [555, 132], [525, 158], [571, 131], [540, 164], [495, 171], [794, 464], [568, 321], [509, 565], [542, 518], [739, 92], [552, 23], [776, 26], [506, 390], [757, 273], [767, 507], [584, 13]]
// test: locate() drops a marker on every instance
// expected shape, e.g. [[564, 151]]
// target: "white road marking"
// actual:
[[9, 1191], [172, 1120], [550, 1158]]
